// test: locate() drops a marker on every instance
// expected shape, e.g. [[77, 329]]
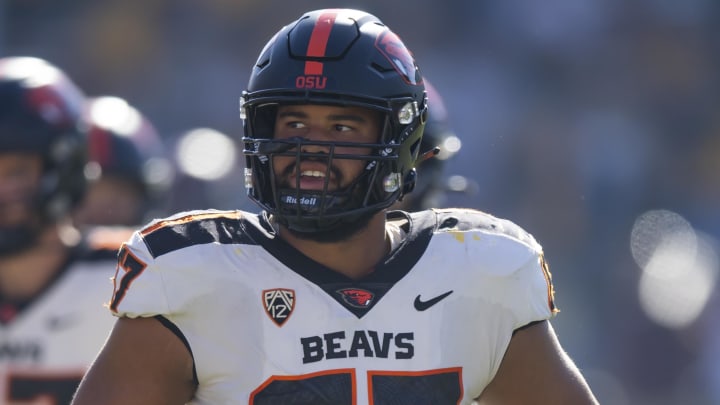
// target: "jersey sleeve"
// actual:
[[165, 268], [138, 286], [517, 277], [531, 292], [510, 269]]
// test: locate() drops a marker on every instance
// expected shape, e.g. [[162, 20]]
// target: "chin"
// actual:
[[342, 232]]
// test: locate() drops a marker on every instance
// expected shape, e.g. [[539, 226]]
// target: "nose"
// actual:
[[311, 141]]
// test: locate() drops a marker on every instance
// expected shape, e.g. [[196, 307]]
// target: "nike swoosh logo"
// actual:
[[421, 305]]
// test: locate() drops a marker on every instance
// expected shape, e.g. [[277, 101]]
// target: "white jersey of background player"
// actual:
[[328, 300], [48, 342], [53, 283], [430, 325]]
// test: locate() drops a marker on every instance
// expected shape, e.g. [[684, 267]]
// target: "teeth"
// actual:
[[312, 173]]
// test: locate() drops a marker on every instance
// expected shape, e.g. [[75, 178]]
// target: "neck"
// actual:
[[354, 257], [23, 275]]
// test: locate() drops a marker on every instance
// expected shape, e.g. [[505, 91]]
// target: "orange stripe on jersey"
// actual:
[[550, 288], [318, 42], [448, 370], [190, 218]]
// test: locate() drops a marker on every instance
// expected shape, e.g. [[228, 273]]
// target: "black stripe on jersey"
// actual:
[[222, 227]]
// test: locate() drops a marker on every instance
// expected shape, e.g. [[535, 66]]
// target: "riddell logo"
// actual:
[[310, 82], [357, 297]]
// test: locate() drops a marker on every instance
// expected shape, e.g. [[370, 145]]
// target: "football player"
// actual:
[[127, 169], [326, 297], [53, 284]]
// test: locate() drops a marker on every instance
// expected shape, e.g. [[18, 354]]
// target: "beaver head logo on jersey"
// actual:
[[357, 297], [279, 304]]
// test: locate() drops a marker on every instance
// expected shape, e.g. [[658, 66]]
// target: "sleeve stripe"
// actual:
[[550, 288], [189, 218]]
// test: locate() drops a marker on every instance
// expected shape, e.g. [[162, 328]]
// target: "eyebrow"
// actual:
[[332, 117]]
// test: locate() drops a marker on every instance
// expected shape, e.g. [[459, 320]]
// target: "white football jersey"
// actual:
[[47, 344], [267, 325]]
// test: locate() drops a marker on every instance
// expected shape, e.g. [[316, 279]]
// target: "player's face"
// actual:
[[324, 123], [111, 201], [19, 177]]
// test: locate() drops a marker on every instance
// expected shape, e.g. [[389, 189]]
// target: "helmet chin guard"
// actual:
[[337, 57]]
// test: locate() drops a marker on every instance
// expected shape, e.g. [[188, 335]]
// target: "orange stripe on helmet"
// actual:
[[318, 42]]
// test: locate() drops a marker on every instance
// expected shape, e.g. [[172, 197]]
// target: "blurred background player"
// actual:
[[128, 172], [433, 183], [52, 283]]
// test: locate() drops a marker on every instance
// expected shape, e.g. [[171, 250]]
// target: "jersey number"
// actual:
[[41, 389], [441, 387], [133, 267]]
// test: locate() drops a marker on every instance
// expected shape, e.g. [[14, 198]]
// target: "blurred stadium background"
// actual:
[[595, 124]]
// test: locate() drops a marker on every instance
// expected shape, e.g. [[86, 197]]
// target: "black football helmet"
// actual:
[[124, 144], [338, 57], [41, 112]]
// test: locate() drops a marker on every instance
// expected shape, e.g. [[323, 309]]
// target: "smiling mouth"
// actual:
[[312, 173], [310, 180]]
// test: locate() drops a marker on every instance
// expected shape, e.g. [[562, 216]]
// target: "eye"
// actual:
[[343, 128], [295, 124]]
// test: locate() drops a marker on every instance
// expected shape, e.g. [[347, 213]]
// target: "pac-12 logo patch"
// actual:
[[279, 304], [357, 297]]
